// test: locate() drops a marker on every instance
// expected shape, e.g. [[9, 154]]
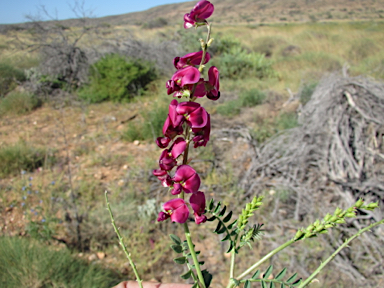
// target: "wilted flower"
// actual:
[[202, 10], [213, 84]]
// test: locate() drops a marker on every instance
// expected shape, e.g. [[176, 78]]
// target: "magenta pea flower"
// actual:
[[202, 10], [197, 202], [195, 115], [181, 78], [191, 59], [213, 84], [169, 156], [176, 209], [201, 136], [186, 179], [163, 176]]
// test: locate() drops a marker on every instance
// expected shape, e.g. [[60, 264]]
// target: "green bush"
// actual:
[[117, 78], [306, 92], [155, 23], [248, 98], [25, 263], [18, 103], [239, 64], [151, 127], [252, 97], [21, 156], [9, 77]]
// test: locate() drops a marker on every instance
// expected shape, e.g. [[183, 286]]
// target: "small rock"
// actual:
[[101, 255], [92, 257], [136, 142]]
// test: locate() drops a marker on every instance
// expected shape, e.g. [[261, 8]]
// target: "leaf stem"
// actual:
[[330, 258], [265, 258], [127, 254], [194, 256]]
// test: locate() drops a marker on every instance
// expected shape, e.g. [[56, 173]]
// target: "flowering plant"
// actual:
[[188, 122]]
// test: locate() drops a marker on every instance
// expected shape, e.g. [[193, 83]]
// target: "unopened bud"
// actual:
[[340, 221], [334, 219], [327, 226], [350, 215], [310, 227], [337, 211], [317, 222], [210, 42], [359, 203], [327, 217], [373, 205], [202, 43], [299, 233], [319, 228], [308, 234]]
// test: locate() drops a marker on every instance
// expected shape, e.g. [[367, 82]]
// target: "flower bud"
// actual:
[[209, 43], [319, 228], [350, 215], [359, 203], [299, 234]]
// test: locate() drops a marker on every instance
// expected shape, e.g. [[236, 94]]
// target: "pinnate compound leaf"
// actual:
[[207, 277], [292, 278], [187, 275], [177, 248], [256, 275], [268, 272], [228, 217], [180, 260], [247, 284], [281, 274], [175, 239]]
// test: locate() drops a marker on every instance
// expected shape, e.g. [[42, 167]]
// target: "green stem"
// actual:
[[194, 256], [232, 268], [330, 258], [265, 258], [127, 254]]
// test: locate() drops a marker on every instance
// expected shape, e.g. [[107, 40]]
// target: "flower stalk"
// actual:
[[127, 254]]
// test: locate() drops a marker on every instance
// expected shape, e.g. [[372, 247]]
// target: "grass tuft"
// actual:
[[22, 157], [18, 103], [24, 263]]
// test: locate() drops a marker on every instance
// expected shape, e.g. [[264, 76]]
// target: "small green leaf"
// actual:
[[196, 285], [218, 227], [210, 205], [264, 285], [222, 212], [296, 283], [272, 285], [281, 274], [217, 207], [256, 275], [175, 239], [186, 275], [213, 218], [247, 284], [282, 285], [230, 226], [222, 230], [292, 278], [227, 237], [268, 272], [230, 247], [177, 248], [180, 260], [228, 217], [207, 277]]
